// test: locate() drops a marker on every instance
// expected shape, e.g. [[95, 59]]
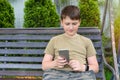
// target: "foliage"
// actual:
[[108, 74], [40, 13], [90, 14], [108, 57], [101, 2], [105, 40], [117, 27], [64, 1], [6, 15]]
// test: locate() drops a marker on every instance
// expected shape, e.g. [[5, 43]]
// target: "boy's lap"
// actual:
[[53, 74]]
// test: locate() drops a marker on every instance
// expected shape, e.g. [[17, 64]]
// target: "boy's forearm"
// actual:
[[48, 65], [95, 68]]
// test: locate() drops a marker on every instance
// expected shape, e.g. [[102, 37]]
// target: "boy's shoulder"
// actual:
[[84, 38], [57, 37]]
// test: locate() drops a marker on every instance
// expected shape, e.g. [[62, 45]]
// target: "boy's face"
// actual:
[[70, 26]]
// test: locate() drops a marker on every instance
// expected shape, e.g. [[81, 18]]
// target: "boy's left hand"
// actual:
[[75, 65]]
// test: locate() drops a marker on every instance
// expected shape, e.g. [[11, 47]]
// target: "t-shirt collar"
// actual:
[[74, 36]]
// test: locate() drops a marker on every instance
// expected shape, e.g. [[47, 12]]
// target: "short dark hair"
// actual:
[[71, 11]]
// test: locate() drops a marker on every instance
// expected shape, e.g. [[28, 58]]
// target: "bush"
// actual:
[[90, 14], [6, 15], [117, 27], [40, 13]]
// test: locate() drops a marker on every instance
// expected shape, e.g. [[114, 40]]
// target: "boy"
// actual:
[[82, 63]]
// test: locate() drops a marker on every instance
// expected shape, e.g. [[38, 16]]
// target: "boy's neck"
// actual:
[[71, 36]]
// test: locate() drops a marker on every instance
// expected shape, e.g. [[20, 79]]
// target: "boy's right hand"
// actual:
[[61, 62]]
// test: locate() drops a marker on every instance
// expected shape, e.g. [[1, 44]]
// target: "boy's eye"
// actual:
[[74, 23], [67, 23]]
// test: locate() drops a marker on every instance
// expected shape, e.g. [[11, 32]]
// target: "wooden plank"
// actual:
[[38, 51], [21, 59], [20, 66], [25, 37], [25, 59], [23, 44], [34, 73], [46, 31], [39, 37], [31, 73], [33, 44], [21, 73], [22, 51], [97, 44], [100, 76], [32, 51], [99, 52]]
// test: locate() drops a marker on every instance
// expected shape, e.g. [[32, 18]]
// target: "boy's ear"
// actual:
[[61, 22], [80, 21]]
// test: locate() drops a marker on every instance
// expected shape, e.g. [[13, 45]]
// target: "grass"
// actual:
[[108, 74]]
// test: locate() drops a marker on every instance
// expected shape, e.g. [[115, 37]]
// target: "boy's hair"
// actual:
[[71, 11]]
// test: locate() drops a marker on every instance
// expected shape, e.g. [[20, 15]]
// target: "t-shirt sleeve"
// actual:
[[50, 47], [90, 49]]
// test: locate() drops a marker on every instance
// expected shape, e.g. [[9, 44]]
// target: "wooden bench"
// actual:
[[22, 50]]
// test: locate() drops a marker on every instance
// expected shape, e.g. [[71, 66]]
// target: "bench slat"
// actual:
[[39, 37], [21, 59], [33, 44], [20, 66], [31, 51], [26, 37], [23, 44], [31, 73], [21, 73], [25, 59], [22, 51], [47, 31]]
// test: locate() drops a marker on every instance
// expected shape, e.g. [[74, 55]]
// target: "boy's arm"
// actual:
[[93, 64], [48, 62]]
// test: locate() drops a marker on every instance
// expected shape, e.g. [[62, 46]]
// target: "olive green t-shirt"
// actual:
[[79, 48]]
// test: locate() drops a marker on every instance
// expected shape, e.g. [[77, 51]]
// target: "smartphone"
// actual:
[[64, 53]]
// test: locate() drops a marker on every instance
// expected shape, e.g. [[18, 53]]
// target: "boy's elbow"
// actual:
[[97, 69], [43, 68]]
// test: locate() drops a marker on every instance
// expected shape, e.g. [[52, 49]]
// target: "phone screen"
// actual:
[[65, 54]]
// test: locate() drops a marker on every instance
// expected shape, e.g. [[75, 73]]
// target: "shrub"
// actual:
[[40, 13], [90, 14], [6, 15], [117, 27]]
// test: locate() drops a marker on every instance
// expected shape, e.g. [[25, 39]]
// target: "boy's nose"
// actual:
[[71, 27]]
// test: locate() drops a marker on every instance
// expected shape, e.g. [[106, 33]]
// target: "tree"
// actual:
[[6, 15], [90, 14], [40, 13]]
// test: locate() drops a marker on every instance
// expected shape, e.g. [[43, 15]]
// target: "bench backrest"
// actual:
[[22, 50]]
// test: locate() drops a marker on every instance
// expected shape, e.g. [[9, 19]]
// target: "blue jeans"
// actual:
[[53, 74]]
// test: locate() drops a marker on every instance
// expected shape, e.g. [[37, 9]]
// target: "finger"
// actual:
[[61, 58], [62, 63], [60, 66], [75, 69], [72, 61]]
